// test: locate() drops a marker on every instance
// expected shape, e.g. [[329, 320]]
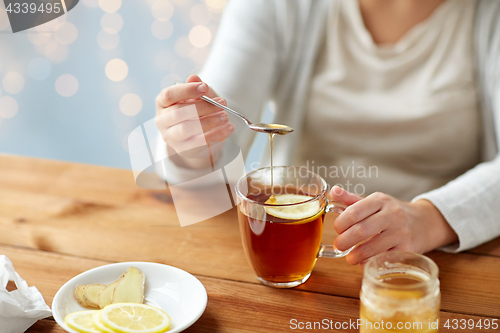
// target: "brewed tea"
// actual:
[[281, 250]]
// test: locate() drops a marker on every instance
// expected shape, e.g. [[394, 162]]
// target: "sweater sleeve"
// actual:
[[241, 68], [471, 202], [471, 205]]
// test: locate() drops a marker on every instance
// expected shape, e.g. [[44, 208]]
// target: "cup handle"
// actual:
[[330, 251]]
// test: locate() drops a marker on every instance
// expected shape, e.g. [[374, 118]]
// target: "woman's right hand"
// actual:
[[180, 127]]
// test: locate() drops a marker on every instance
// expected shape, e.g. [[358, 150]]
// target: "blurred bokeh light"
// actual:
[[74, 88], [130, 104], [116, 70], [110, 6], [200, 36], [39, 69], [66, 85], [112, 23], [216, 5], [13, 83], [55, 52], [162, 10], [66, 33], [108, 41], [199, 14], [8, 107], [162, 29]]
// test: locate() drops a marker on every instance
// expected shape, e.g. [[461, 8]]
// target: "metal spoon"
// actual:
[[264, 128]]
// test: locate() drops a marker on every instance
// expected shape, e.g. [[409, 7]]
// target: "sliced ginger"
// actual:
[[79, 290], [90, 294], [104, 297], [129, 288]]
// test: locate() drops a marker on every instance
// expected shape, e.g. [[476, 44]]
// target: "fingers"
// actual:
[[179, 113], [377, 224], [369, 227], [378, 244], [189, 128], [196, 78], [218, 134], [193, 78], [202, 108], [214, 120], [180, 92], [339, 194], [187, 123], [358, 211]]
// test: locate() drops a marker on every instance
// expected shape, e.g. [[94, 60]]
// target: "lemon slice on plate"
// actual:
[[81, 321], [134, 318], [96, 320], [307, 210]]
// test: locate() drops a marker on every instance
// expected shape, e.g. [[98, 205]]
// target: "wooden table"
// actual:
[[59, 219]]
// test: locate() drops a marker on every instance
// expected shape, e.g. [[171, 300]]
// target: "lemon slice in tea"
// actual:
[[293, 212]]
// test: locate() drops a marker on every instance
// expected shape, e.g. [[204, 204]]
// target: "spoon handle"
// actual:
[[211, 101]]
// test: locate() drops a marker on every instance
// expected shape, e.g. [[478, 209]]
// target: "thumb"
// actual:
[[337, 193], [193, 78]]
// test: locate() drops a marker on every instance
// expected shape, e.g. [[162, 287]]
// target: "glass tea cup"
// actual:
[[400, 293], [282, 239]]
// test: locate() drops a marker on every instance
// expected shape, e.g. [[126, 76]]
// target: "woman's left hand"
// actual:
[[381, 223]]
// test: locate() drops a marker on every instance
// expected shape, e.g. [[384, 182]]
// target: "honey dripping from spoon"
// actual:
[[272, 198], [270, 129]]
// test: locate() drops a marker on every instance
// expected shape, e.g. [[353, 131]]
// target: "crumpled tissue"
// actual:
[[20, 308]]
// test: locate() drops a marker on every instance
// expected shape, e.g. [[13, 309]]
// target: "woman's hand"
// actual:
[[381, 223], [180, 126]]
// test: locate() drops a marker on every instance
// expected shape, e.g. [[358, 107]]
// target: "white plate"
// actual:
[[173, 290]]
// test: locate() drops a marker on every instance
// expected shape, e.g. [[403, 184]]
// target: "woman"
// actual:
[[411, 87]]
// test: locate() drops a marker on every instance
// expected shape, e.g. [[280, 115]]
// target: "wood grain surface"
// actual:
[[59, 219]]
